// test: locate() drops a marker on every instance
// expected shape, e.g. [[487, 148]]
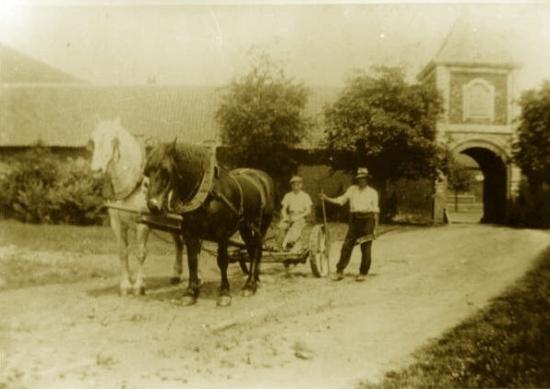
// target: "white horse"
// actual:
[[121, 157]]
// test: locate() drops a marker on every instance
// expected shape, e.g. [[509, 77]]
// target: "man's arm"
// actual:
[[341, 200], [307, 212], [376, 214]]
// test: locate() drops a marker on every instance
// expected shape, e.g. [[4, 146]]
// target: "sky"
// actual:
[[318, 43]]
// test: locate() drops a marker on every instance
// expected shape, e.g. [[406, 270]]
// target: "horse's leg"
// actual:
[[121, 233], [246, 234], [224, 298], [178, 261], [142, 233], [192, 292], [253, 242]]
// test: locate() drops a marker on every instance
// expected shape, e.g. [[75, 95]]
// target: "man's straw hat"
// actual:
[[296, 179], [362, 172]]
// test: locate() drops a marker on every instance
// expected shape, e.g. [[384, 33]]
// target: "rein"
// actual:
[[238, 212]]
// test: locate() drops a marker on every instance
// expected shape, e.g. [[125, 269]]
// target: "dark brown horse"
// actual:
[[237, 200]]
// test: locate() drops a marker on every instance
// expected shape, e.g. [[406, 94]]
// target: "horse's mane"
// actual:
[[189, 161], [126, 173]]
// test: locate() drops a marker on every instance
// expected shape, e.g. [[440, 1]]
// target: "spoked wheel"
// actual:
[[319, 249]]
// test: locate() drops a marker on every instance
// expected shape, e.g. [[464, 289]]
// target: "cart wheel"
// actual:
[[319, 246]]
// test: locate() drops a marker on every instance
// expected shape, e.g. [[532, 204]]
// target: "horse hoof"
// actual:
[[175, 280], [139, 291], [188, 300], [223, 301], [125, 291], [247, 292]]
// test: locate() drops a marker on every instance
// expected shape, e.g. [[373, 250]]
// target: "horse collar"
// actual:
[[200, 192]]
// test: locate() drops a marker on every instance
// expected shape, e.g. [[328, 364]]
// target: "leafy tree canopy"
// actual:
[[387, 124], [261, 116], [532, 148], [460, 177]]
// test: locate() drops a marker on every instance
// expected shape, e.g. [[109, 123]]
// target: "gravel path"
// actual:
[[296, 332]]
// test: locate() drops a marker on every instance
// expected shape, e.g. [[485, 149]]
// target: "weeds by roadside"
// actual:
[[506, 345]]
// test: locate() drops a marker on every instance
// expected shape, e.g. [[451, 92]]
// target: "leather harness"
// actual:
[[205, 188]]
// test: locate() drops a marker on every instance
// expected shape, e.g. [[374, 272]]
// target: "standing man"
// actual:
[[364, 211], [296, 207]]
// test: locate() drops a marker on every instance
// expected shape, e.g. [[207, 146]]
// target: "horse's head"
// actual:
[[161, 171], [105, 143]]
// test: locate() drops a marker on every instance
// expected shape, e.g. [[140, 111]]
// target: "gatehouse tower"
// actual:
[[476, 77]]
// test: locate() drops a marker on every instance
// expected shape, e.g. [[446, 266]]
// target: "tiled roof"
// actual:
[[472, 43], [16, 67], [40, 103], [65, 115]]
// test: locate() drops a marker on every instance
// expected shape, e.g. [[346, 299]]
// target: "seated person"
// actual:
[[296, 207]]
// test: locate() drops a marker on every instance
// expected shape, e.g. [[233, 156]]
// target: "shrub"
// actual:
[[531, 208], [42, 188], [24, 189], [76, 196]]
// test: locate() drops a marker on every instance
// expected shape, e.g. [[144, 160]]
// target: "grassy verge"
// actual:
[[72, 239], [17, 272], [505, 345], [101, 240], [38, 254]]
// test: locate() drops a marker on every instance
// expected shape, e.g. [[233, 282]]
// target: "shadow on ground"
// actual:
[[162, 289]]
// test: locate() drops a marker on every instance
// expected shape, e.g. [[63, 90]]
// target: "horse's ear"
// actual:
[[151, 142]]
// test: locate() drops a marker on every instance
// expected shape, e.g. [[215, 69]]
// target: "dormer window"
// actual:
[[478, 99]]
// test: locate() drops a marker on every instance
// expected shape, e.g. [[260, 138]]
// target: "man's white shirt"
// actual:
[[296, 203], [361, 200]]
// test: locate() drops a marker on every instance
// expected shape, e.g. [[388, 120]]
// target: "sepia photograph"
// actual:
[[274, 194]]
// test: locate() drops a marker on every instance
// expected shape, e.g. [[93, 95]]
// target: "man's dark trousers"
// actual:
[[360, 224]]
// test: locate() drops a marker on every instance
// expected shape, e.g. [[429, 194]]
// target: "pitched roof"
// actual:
[[65, 115], [41, 103], [16, 67], [472, 43]]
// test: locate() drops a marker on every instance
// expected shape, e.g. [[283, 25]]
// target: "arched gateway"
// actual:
[[475, 76]]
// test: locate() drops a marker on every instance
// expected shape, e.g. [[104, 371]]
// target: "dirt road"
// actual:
[[297, 331]]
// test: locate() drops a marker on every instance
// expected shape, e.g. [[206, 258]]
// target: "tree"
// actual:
[[381, 121], [459, 179], [532, 148], [531, 153], [261, 116]]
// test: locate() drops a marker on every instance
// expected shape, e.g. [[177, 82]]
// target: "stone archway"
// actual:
[[492, 161]]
